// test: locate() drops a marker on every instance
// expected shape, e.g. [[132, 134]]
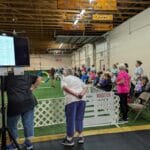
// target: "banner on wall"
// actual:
[[67, 16], [102, 27], [72, 4], [79, 27], [80, 4], [105, 5], [101, 17]]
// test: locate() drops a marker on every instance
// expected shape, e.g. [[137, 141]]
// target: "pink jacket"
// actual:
[[124, 85]]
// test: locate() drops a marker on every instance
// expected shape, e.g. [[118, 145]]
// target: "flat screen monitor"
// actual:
[[14, 51]]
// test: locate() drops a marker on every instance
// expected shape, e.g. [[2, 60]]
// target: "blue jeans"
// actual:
[[74, 117], [27, 121]]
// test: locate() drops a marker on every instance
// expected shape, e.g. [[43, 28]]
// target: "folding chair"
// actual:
[[142, 103]]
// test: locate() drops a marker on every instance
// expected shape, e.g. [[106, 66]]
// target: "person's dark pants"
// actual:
[[124, 105], [74, 117]]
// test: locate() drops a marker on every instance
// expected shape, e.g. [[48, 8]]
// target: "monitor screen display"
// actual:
[[7, 51], [14, 51]]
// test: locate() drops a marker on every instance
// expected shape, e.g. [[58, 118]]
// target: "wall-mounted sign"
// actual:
[[80, 4], [102, 27], [105, 5], [67, 16], [72, 4], [102, 17], [79, 27]]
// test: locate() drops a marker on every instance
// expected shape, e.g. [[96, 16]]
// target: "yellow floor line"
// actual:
[[92, 132]]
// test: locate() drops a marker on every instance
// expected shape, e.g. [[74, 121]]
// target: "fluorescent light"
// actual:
[[82, 12], [90, 1], [60, 46], [76, 21]]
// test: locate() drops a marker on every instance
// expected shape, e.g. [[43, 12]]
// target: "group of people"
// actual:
[[21, 104], [118, 80], [21, 101]]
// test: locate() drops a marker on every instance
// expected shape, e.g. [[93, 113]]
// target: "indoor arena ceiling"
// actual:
[[45, 21]]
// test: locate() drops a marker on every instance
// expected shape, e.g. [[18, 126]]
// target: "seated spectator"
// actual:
[[138, 89], [85, 77], [147, 87], [78, 73], [105, 84], [142, 86], [98, 78]]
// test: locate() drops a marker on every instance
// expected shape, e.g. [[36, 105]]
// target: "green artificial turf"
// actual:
[[45, 90]]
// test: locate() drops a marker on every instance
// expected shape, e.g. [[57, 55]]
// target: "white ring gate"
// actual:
[[102, 109]]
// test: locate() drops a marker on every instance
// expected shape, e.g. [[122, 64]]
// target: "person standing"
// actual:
[[123, 89], [127, 67], [83, 68], [138, 70], [114, 70], [74, 91], [21, 103], [93, 68], [52, 75]]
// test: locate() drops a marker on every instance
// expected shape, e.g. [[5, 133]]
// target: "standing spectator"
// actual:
[[138, 70], [123, 89], [74, 91], [75, 68], [114, 70], [21, 103], [83, 69], [52, 74], [93, 68], [79, 73], [85, 77], [127, 67], [103, 68]]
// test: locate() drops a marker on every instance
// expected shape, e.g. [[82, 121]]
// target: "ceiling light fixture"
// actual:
[[76, 21], [90, 1], [60, 46], [82, 12]]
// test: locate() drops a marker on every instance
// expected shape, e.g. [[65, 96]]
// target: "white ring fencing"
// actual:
[[102, 108]]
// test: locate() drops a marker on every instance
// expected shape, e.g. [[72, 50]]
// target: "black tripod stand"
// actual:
[[4, 130]]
